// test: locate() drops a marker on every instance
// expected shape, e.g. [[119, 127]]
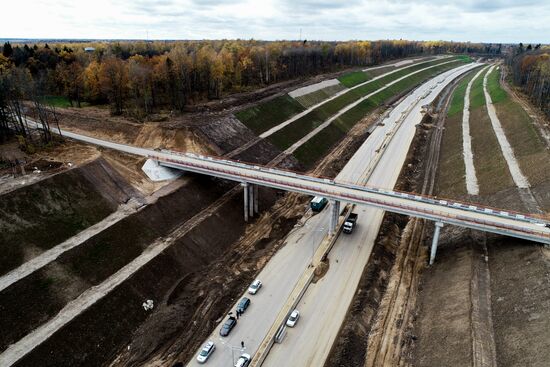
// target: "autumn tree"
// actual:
[[113, 79]]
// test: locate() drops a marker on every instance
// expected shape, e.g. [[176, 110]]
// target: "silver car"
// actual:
[[243, 361], [255, 286], [206, 351], [293, 318]]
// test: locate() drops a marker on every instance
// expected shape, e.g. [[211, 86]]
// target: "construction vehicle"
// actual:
[[350, 223]]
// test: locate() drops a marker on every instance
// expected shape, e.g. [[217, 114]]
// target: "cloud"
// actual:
[[464, 20]]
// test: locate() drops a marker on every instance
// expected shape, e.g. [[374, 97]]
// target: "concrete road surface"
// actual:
[[285, 268], [325, 303]]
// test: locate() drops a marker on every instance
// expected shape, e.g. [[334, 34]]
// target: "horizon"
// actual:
[[502, 21]]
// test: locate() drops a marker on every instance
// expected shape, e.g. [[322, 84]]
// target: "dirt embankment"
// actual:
[[485, 300], [42, 215]]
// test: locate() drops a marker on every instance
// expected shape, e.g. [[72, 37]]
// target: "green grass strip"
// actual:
[[354, 78], [493, 86], [264, 116], [293, 132], [318, 145]]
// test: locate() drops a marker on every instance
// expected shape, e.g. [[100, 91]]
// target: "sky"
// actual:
[[506, 21]]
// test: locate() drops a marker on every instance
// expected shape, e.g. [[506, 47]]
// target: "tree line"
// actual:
[[530, 70], [138, 78]]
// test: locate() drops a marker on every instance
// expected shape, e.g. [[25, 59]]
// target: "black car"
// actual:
[[228, 326], [243, 304]]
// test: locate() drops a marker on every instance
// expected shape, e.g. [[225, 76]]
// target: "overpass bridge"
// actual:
[[441, 211], [161, 165]]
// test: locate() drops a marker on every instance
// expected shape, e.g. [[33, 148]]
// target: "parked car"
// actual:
[[293, 318], [243, 304], [255, 286], [206, 351], [243, 361], [228, 325]]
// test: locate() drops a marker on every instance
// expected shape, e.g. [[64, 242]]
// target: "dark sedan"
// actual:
[[243, 304], [228, 326]]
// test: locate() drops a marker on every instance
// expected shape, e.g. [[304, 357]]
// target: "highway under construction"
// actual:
[[306, 264]]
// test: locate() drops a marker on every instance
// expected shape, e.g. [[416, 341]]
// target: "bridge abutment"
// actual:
[[435, 240]]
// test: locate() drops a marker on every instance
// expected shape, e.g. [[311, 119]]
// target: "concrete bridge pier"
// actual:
[[251, 200], [256, 205], [435, 240], [334, 215], [250, 193], [246, 193]]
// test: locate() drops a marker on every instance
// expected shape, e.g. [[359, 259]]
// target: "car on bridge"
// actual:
[[228, 325]]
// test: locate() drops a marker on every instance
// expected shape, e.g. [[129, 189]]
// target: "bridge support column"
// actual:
[[251, 200], [335, 213], [256, 199], [435, 240], [246, 196]]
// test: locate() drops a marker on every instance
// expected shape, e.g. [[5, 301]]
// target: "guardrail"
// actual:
[[532, 218], [275, 178]]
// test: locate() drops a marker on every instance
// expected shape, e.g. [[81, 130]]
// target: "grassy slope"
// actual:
[[293, 132], [491, 169], [264, 116], [319, 144], [354, 78], [310, 99], [528, 146], [451, 161]]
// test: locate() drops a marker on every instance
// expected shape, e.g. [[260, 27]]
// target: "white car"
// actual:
[[293, 318], [205, 352], [243, 361], [253, 289]]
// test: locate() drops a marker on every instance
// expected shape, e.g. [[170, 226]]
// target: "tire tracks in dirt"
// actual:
[[391, 340]]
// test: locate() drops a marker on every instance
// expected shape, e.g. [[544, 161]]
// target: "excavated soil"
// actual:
[[39, 216], [485, 302]]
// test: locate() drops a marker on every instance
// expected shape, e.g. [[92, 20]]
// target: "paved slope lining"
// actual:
[[471, 179], [519, 179]]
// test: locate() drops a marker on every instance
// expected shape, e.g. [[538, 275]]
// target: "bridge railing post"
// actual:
[[435, 240]]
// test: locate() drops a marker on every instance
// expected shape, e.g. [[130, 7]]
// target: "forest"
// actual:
[[530, 68], [137, 78]]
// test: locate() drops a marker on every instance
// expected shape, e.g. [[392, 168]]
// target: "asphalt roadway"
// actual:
[[324, 305]]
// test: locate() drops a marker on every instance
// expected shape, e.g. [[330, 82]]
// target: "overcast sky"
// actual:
[[459, 20]]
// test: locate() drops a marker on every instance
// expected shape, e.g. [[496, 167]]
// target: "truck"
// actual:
[[350, 223], [318, 203]]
